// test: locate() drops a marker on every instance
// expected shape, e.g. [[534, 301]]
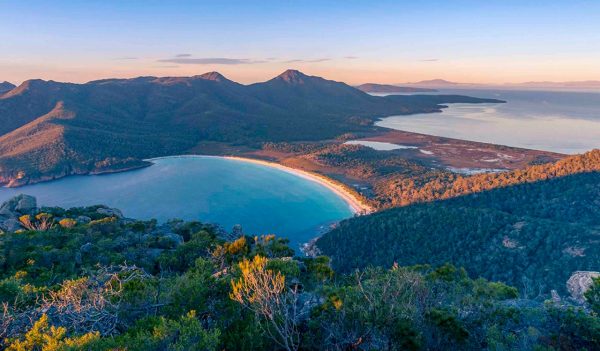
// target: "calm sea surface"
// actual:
[[210, 189], [566, 122]]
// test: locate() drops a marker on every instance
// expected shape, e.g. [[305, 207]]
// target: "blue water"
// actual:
[[262, 199], [565, 122]]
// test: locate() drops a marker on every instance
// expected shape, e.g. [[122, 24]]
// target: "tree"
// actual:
[[94, 303], [41, 222], [44, 337], [592, 296], [265, 293]]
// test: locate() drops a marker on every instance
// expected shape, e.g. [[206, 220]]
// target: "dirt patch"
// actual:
[[447, 152]]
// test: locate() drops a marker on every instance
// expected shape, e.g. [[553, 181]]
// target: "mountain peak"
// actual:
[[26, 86], [292, 76], [6, 86], [214, 76]]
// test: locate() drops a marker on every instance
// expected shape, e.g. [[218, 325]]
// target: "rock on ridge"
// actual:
[[579, 283]]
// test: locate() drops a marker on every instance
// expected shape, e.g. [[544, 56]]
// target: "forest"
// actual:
[[533, 235], [392, 178], [89, 279], [400, 190]]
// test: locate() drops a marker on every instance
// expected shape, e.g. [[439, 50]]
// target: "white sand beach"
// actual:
[[356, 204]]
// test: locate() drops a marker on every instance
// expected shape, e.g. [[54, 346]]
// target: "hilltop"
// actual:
[[87, 278], [6, 87], [50, 129]]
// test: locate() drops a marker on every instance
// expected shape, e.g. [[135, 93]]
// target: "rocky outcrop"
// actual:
[[83, 220], [10, 225], [579, 283], [12, 209], [110, 212], [20, 203]]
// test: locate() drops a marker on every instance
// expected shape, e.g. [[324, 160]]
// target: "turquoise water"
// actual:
[[262, 199], [565, 122]]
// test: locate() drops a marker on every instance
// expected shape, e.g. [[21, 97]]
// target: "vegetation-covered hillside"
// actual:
[[533, 235], [50, 129], [396, 179], [400, 189], [88, 279]]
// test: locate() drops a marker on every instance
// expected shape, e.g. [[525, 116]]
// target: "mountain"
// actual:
[[531, 235], [434, 83], [385, 88], [50, 129], [6, 87], [214, 76]]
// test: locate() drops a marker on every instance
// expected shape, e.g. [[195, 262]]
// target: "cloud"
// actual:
[[350, 57], [183, 55], [307, 61], [430, 60], [166, 66], [125, 58], [211, 61]]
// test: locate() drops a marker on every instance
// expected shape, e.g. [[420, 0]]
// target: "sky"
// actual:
[[494, 41]]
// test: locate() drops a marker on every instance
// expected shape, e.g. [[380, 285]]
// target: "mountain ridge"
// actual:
[[387, 88], [6, 87], [144, 117]]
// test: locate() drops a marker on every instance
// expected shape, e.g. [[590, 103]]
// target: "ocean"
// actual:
[[564, 122]]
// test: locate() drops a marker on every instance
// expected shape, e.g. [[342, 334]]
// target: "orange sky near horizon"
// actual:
[[356, 71]]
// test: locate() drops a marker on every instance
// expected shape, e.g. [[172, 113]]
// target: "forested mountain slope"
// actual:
[[52, 129], [532, 235], [400, 190]]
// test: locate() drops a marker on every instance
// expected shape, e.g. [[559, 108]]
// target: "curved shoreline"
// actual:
[[355, 203]]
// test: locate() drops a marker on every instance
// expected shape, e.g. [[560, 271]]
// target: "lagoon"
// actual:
[[264, 200], [380, 146]]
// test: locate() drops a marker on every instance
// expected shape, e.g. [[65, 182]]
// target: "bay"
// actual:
[[262, 199]]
